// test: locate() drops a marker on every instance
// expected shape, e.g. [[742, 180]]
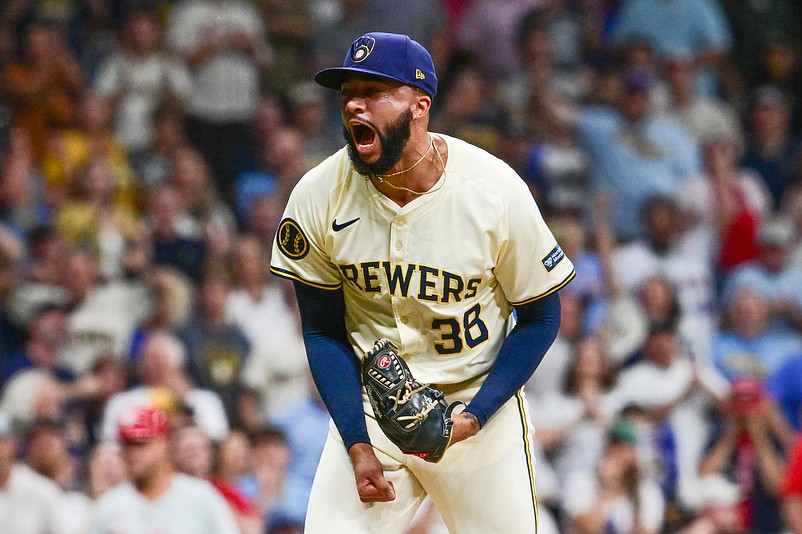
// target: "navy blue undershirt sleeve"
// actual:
[[334, 366], [520, 354]]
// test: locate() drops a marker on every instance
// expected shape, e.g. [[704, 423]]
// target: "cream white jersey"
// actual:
[[438, 276]]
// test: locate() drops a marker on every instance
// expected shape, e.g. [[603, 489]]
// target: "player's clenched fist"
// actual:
[[370, 481]]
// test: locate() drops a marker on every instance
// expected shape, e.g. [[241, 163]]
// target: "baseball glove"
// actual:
[[414, 416]]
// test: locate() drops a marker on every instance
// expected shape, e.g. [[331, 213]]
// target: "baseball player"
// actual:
[[157, 499], [423, 240]]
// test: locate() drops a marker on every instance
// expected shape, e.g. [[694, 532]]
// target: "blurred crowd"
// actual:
[[147, 148]]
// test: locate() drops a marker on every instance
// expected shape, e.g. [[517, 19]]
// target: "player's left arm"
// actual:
[[520, 354]]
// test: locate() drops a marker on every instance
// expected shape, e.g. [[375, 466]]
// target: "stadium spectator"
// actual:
[[261, 309], [304, 424], [153, 165], [619, 497], [89, 218], [139, 78], [46, 334], [164, 382], [747, 343], [103, 313], [749, 450], [666, 251], [786, 389], [572, 423], [89, 138], [669, 392], [105, 469], [772, 275], [43, 84], [195, 454], [725, 206], [32, 394], [157, 496], [217, 349], [31, 500], [487, 21], [171, 294], [704, 116], [772, 149], [635, 154], [224, 44], [697, 27]]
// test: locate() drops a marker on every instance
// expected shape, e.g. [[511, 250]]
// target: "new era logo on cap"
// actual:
[[388, 55]]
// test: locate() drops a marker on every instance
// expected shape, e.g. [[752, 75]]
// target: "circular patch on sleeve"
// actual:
[[291, 240]]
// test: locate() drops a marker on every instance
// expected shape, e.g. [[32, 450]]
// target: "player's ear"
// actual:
[[421, 105]]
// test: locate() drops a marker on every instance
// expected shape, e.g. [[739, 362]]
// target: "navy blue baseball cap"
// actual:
[[388, 55]]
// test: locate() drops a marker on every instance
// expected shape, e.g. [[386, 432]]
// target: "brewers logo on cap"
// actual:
[[291, 240], [362, 48]]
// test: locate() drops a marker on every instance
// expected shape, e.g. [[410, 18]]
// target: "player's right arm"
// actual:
[[335, 370]]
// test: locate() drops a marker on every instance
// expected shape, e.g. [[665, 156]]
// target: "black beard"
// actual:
[[392, 142]]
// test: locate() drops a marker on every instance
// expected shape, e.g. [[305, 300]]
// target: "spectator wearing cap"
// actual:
[[634, 154], [619, 496], [772, 149], [748, 342], [671, 393], [30, 503], [156, 497], [773, 275], [749, 449]]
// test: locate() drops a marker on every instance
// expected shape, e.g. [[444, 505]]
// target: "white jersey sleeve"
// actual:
[[531, 263], [300, 250]]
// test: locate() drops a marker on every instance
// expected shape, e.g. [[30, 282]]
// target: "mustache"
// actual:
[[363, 122]]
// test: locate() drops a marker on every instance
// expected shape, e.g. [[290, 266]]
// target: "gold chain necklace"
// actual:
[[402, 188], [381, 177]]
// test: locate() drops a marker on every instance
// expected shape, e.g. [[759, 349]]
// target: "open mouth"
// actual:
[[365, 138]]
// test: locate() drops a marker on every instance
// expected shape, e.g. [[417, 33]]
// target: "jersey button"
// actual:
[[405, 319], [400, 223], [399, 245]]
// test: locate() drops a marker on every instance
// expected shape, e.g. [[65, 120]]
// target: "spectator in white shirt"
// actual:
[[140, 77], [157, 498], [163, 378], [29, 503]]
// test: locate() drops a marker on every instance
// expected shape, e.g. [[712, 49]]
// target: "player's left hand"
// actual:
[[465, 425]]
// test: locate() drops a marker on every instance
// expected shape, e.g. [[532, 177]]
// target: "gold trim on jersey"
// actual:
[[281, 273], [549, 292], [528, 452]]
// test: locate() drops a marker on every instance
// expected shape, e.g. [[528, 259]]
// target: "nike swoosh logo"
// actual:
[[337, 227]]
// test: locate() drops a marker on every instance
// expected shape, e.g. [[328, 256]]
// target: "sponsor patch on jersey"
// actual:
[[553, 258], [291, 240]]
